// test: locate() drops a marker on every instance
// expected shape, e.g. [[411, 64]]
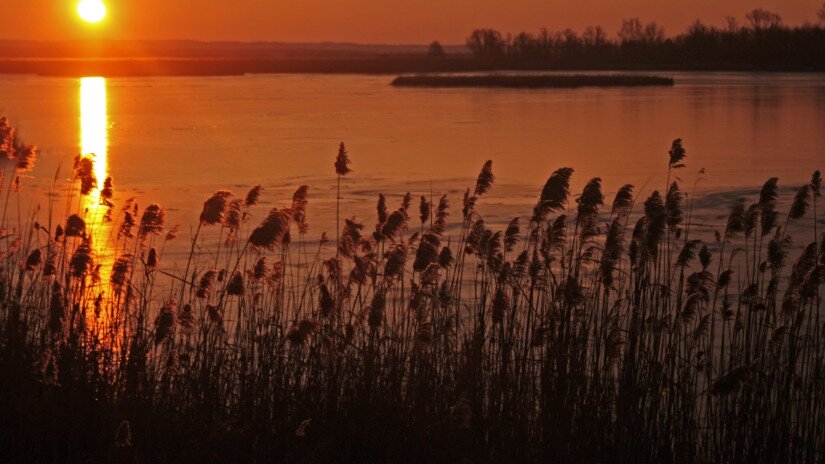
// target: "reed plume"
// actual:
[[673, 206], [395, 224], [259, 270], [554, 194], [622, 201], [301, 333], [676, 154], [351, 238], [800, 202], [406, 201], [234, 215], [205, 285], [300, 200], [82, 260], [272, 230], [511, 235], [152, 260], [236, 286], [655, 222], [84, 171], [326, 303], [424, 210], [589, 203], [342, 161], [7, 138], [613, 248], [75, 226], [50, 267], [485, 179], [34, 260], [253, 196], [441, 213], [107, 193], [214, 208], [342, 168], [396, 259], [57, 309], [377, 308], [166, 322], [186, 318], [469, 204], [25, 156], [152, 221], [428, 251], [120, 271]]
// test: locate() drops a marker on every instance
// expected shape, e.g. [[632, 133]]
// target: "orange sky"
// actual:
[[363, 21]]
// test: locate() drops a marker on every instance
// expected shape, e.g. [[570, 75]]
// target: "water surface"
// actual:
[[174, 140]]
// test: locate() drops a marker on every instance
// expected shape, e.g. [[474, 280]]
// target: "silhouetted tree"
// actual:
[[764, 43], [821, 14], [524, 44], [654, 33], [436, 50], [763, 19], [731, 24], [631, 30], [486, 43], [594, 37]]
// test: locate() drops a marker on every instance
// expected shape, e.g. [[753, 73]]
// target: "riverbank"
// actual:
[[532, 81], [345, 64]]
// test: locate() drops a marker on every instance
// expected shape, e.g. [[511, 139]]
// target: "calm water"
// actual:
[[175, 140]]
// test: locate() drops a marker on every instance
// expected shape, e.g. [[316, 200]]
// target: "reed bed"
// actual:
[[593, 329], [563, 81]]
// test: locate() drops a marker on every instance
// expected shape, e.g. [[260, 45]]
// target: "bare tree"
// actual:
[[524, 44], [654, 33], [631, 30], [761, 19], [594, 37], [731, 24], [486, 43]]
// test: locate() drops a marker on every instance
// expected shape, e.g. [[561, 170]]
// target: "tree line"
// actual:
[[761, 41]]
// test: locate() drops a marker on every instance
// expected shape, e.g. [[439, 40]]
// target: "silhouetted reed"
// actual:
[[604, 328]]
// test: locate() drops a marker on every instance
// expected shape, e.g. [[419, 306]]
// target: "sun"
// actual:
[[92, 11]]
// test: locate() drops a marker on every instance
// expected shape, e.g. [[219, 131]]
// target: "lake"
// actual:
[[175, 140]]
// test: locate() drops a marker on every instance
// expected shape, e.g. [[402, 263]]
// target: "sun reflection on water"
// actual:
[[94, 142]]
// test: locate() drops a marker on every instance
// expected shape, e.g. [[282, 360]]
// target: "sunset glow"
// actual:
[[92, 11], [94, 142], [94, 123]]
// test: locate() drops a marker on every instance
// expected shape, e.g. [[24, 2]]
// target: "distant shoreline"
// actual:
[[532, 81], [385, 64]]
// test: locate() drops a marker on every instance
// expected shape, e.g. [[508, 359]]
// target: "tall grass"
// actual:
[[592, 329]]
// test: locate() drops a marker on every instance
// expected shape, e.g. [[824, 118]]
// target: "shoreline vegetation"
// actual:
[[532, 81], [759, 42], [369, 65], [596, 327]]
